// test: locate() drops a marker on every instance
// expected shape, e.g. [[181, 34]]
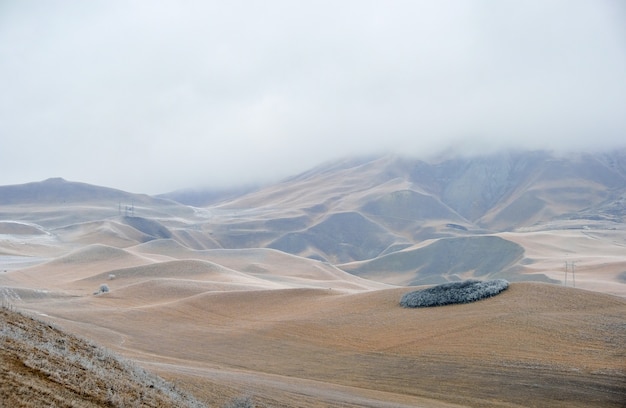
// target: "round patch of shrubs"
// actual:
[[454, 292]]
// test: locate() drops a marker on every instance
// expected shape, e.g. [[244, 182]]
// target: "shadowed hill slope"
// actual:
[[59, 191], [167, 247], [342, 237], [152, 228], [20, 228], [405, 208], [476, 189], [352, 210], [57, 203], [107, 232], [444, 260]]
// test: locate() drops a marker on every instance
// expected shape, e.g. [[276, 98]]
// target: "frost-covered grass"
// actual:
[[455, 292], [84, 369], [240, 402], [104, 288]]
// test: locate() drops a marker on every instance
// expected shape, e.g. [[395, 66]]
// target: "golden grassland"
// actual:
[[43, 366], [532, 345], [294, 332]]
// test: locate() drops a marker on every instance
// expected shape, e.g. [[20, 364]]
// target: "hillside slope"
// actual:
[[532, 345], [355, 209], [41, 365], [447, 259], [368, 210]]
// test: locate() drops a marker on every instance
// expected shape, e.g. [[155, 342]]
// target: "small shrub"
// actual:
[[452, 293], [104, 288]]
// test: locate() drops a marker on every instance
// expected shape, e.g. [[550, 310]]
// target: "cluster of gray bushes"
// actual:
[[454, 292]]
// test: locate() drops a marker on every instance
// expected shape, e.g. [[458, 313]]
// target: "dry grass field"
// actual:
[[42, 366], [252, 297], [289, 332]]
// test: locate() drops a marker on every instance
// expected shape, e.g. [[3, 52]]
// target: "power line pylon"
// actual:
[[570, 267]]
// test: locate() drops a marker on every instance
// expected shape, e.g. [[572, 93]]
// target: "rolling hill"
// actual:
[[289, 293], [534, 344], [447, 259], [356, 212], [414, 200]]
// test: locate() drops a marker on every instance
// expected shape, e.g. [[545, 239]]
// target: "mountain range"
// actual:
[[288, 294], [394, 219]]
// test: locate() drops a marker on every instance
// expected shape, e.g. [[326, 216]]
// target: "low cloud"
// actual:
[[154, 96]]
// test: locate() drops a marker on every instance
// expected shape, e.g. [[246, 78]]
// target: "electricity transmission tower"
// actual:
[[570, 266], [129, 210]]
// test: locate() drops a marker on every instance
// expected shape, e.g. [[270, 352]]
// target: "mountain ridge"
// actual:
[[291, 292], [351, 210]]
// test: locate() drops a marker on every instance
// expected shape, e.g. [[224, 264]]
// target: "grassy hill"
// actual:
[[251, 295], [349, 210], [532, 345], [352, 210], [41, 365], [444, 260]]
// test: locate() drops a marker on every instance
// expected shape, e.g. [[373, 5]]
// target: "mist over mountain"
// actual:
[[372, 210], [483, 190], [305, 166], [200, 197]]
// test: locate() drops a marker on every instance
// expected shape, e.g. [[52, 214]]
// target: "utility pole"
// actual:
[[570, 267]]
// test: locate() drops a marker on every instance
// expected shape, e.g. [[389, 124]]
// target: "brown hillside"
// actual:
[[42, 366], [246, 297], [532, 345]]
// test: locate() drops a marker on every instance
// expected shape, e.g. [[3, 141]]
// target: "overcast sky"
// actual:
[[152, 96]]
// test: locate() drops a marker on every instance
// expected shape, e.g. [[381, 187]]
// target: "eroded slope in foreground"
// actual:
[[41, 365]]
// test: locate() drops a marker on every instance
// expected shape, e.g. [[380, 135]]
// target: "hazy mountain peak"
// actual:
[[52, 180]]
